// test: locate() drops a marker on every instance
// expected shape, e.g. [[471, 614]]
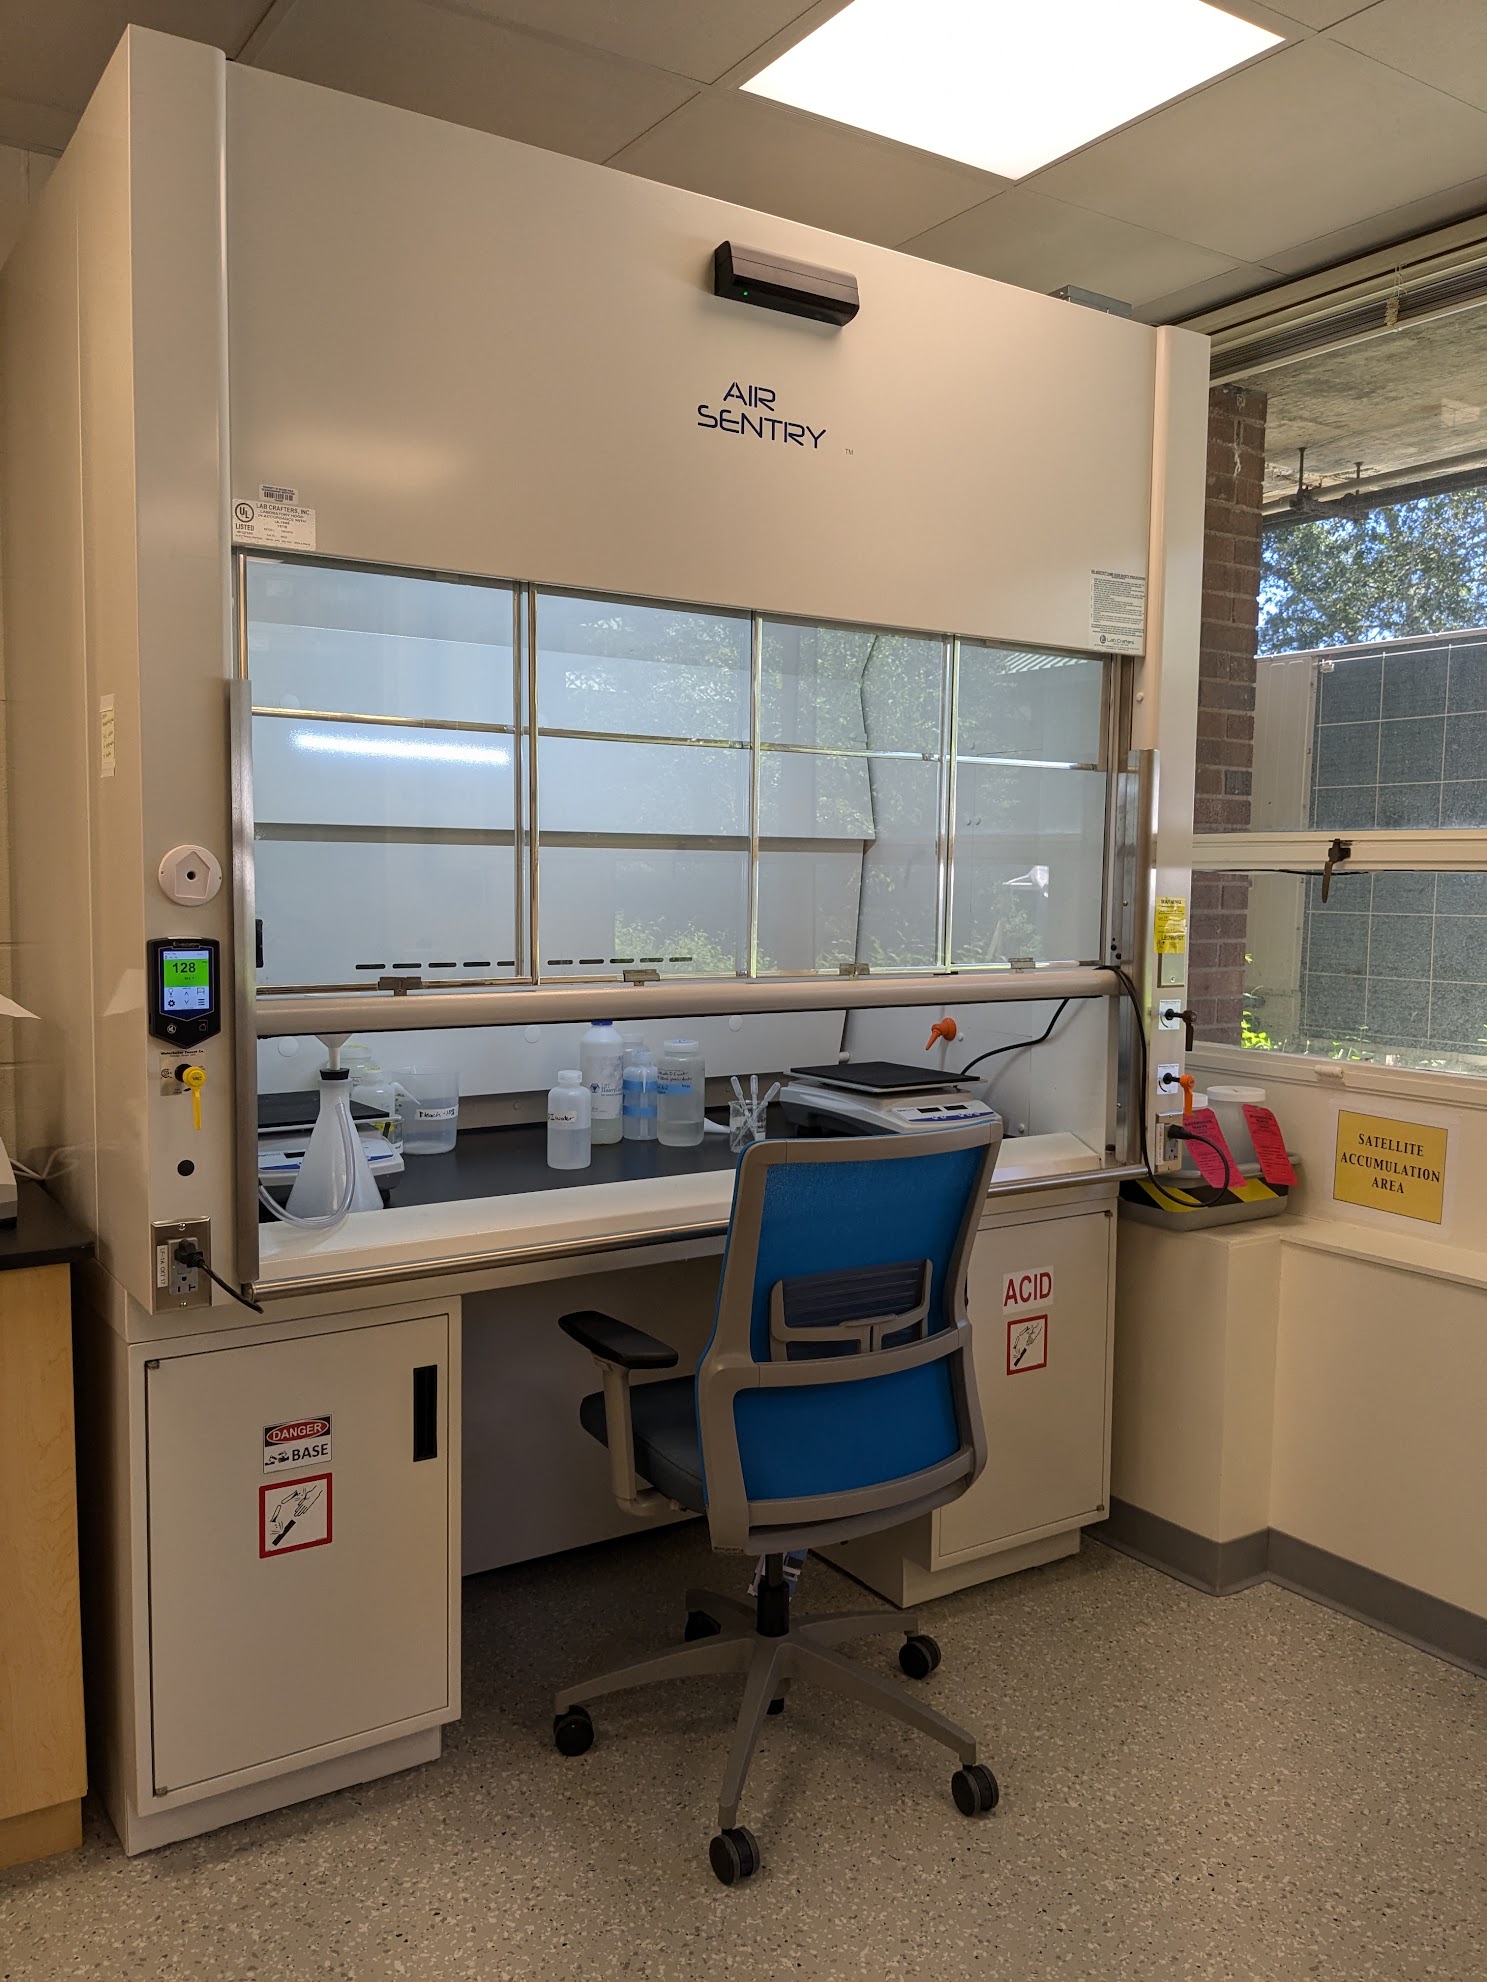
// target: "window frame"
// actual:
[[528, 730], [1371, 850]]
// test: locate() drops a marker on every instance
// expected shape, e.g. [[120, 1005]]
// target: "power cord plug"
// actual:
[[190, 1255]]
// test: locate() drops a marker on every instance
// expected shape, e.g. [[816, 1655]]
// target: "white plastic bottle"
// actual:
[[680, 1088], [601, 1054], [568, 1120], [638, 1103]]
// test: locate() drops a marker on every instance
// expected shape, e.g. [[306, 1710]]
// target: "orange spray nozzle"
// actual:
[[1187, 1083], [945, 1029]]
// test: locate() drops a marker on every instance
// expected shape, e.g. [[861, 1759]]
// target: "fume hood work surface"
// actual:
[[452, 677]]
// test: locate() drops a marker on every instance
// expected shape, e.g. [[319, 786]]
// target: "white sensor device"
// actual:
[[190, 875]]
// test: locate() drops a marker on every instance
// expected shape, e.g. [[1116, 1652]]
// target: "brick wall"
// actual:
[[1226, 698]]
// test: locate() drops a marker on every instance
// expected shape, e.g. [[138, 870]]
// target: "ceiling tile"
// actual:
[[1441, 42], [1040, 243], [471, 71], [44, 126], [1306, 141], [1322, 13], [1398, 223], [1243, 279], [55, 51], [691, 39], [759, 154]]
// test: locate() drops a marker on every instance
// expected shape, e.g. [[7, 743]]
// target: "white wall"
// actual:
[[1322, 1374], [22, 176]]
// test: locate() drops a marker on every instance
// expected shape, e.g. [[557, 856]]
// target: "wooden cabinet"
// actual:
[[43, 1771]]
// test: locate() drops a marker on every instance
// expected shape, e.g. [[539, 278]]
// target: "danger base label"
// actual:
[[296, 1442]]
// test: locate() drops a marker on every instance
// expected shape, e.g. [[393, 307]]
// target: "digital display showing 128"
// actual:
[[185, 981]]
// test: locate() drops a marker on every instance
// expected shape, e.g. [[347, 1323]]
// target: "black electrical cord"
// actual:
[[1119, 972], [1015, 1046], [191, 1256], [1183, 1134]]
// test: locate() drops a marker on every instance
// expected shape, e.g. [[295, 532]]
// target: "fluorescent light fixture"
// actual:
[[1006, 85], [396, 748]]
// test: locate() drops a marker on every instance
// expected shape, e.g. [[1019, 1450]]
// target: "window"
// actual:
[[469, 782], [1379, 748]]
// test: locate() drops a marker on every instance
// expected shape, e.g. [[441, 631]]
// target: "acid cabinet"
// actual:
[[1041, 1305], [292, 1623]]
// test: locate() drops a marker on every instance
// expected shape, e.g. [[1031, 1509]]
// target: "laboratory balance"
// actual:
[[879, 1097]]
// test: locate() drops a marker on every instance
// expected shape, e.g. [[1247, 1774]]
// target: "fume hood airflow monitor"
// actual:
[[799, 289]]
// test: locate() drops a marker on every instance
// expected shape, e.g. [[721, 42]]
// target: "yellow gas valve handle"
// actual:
[[196, 1079]]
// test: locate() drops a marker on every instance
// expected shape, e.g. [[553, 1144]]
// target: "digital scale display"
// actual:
[[186, 981]]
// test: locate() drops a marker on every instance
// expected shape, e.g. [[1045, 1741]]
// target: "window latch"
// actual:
[[1339, 851]]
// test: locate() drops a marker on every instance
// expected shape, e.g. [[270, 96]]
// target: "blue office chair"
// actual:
[[836, 1397]]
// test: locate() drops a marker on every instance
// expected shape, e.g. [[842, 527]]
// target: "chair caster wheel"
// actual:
[[734, 1855], [573, 1731], [700, 1625], [975, 1790], [918, 1656]]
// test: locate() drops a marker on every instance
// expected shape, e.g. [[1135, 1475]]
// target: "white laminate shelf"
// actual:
[[1402, 1250], [1406, 1252], [581, 1218]]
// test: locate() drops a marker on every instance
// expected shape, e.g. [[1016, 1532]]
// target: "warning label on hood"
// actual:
[[296, 1442]]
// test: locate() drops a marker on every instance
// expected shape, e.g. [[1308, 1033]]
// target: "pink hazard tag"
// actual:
[[1270, 1145], [1212, 1155]]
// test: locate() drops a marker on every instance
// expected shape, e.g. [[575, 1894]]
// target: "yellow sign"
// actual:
[[1390, 1166], [1171, 925]]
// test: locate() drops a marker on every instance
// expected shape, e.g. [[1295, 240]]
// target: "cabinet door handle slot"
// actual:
[[426, 1412]]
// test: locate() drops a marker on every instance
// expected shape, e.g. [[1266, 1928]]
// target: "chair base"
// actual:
[[770, 1663]]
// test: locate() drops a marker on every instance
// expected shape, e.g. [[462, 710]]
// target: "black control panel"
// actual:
[[185, 988]]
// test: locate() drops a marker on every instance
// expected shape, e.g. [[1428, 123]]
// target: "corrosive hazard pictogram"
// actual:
[[294, 1515]]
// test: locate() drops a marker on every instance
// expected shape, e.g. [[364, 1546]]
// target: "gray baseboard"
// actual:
[[1217, 1568], [1221, 1568]]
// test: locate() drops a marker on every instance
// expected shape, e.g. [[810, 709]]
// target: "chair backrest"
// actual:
[[838, 1394]]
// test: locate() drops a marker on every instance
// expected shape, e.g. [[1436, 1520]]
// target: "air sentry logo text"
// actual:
[[750, 409]]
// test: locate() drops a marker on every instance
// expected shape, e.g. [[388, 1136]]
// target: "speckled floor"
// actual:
[[1246, 1788]]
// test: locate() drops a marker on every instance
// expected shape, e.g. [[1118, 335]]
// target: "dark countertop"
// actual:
[[499, 1162], [43, 1234]]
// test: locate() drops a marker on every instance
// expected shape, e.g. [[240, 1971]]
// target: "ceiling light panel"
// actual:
[[1006, 85]]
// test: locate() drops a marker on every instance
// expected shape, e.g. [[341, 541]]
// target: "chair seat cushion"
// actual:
[[667, 1450]]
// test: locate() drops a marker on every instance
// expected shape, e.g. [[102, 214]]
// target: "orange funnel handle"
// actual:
[[1187, 1083], [945, 1029]]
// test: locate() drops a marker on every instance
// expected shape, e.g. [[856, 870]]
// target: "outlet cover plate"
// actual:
[[178, 1286]]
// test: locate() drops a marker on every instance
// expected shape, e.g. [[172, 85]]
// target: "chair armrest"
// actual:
[[617, 1342]]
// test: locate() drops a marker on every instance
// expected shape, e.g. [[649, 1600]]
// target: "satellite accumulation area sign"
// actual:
[[1399, 1167]]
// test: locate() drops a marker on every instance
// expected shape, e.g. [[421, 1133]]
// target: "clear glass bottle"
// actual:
[[680, 1085], [638, 1099], [601, 1057], [568, 1119]]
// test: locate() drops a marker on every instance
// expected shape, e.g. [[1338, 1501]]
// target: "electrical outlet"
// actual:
[[178, 1286]]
